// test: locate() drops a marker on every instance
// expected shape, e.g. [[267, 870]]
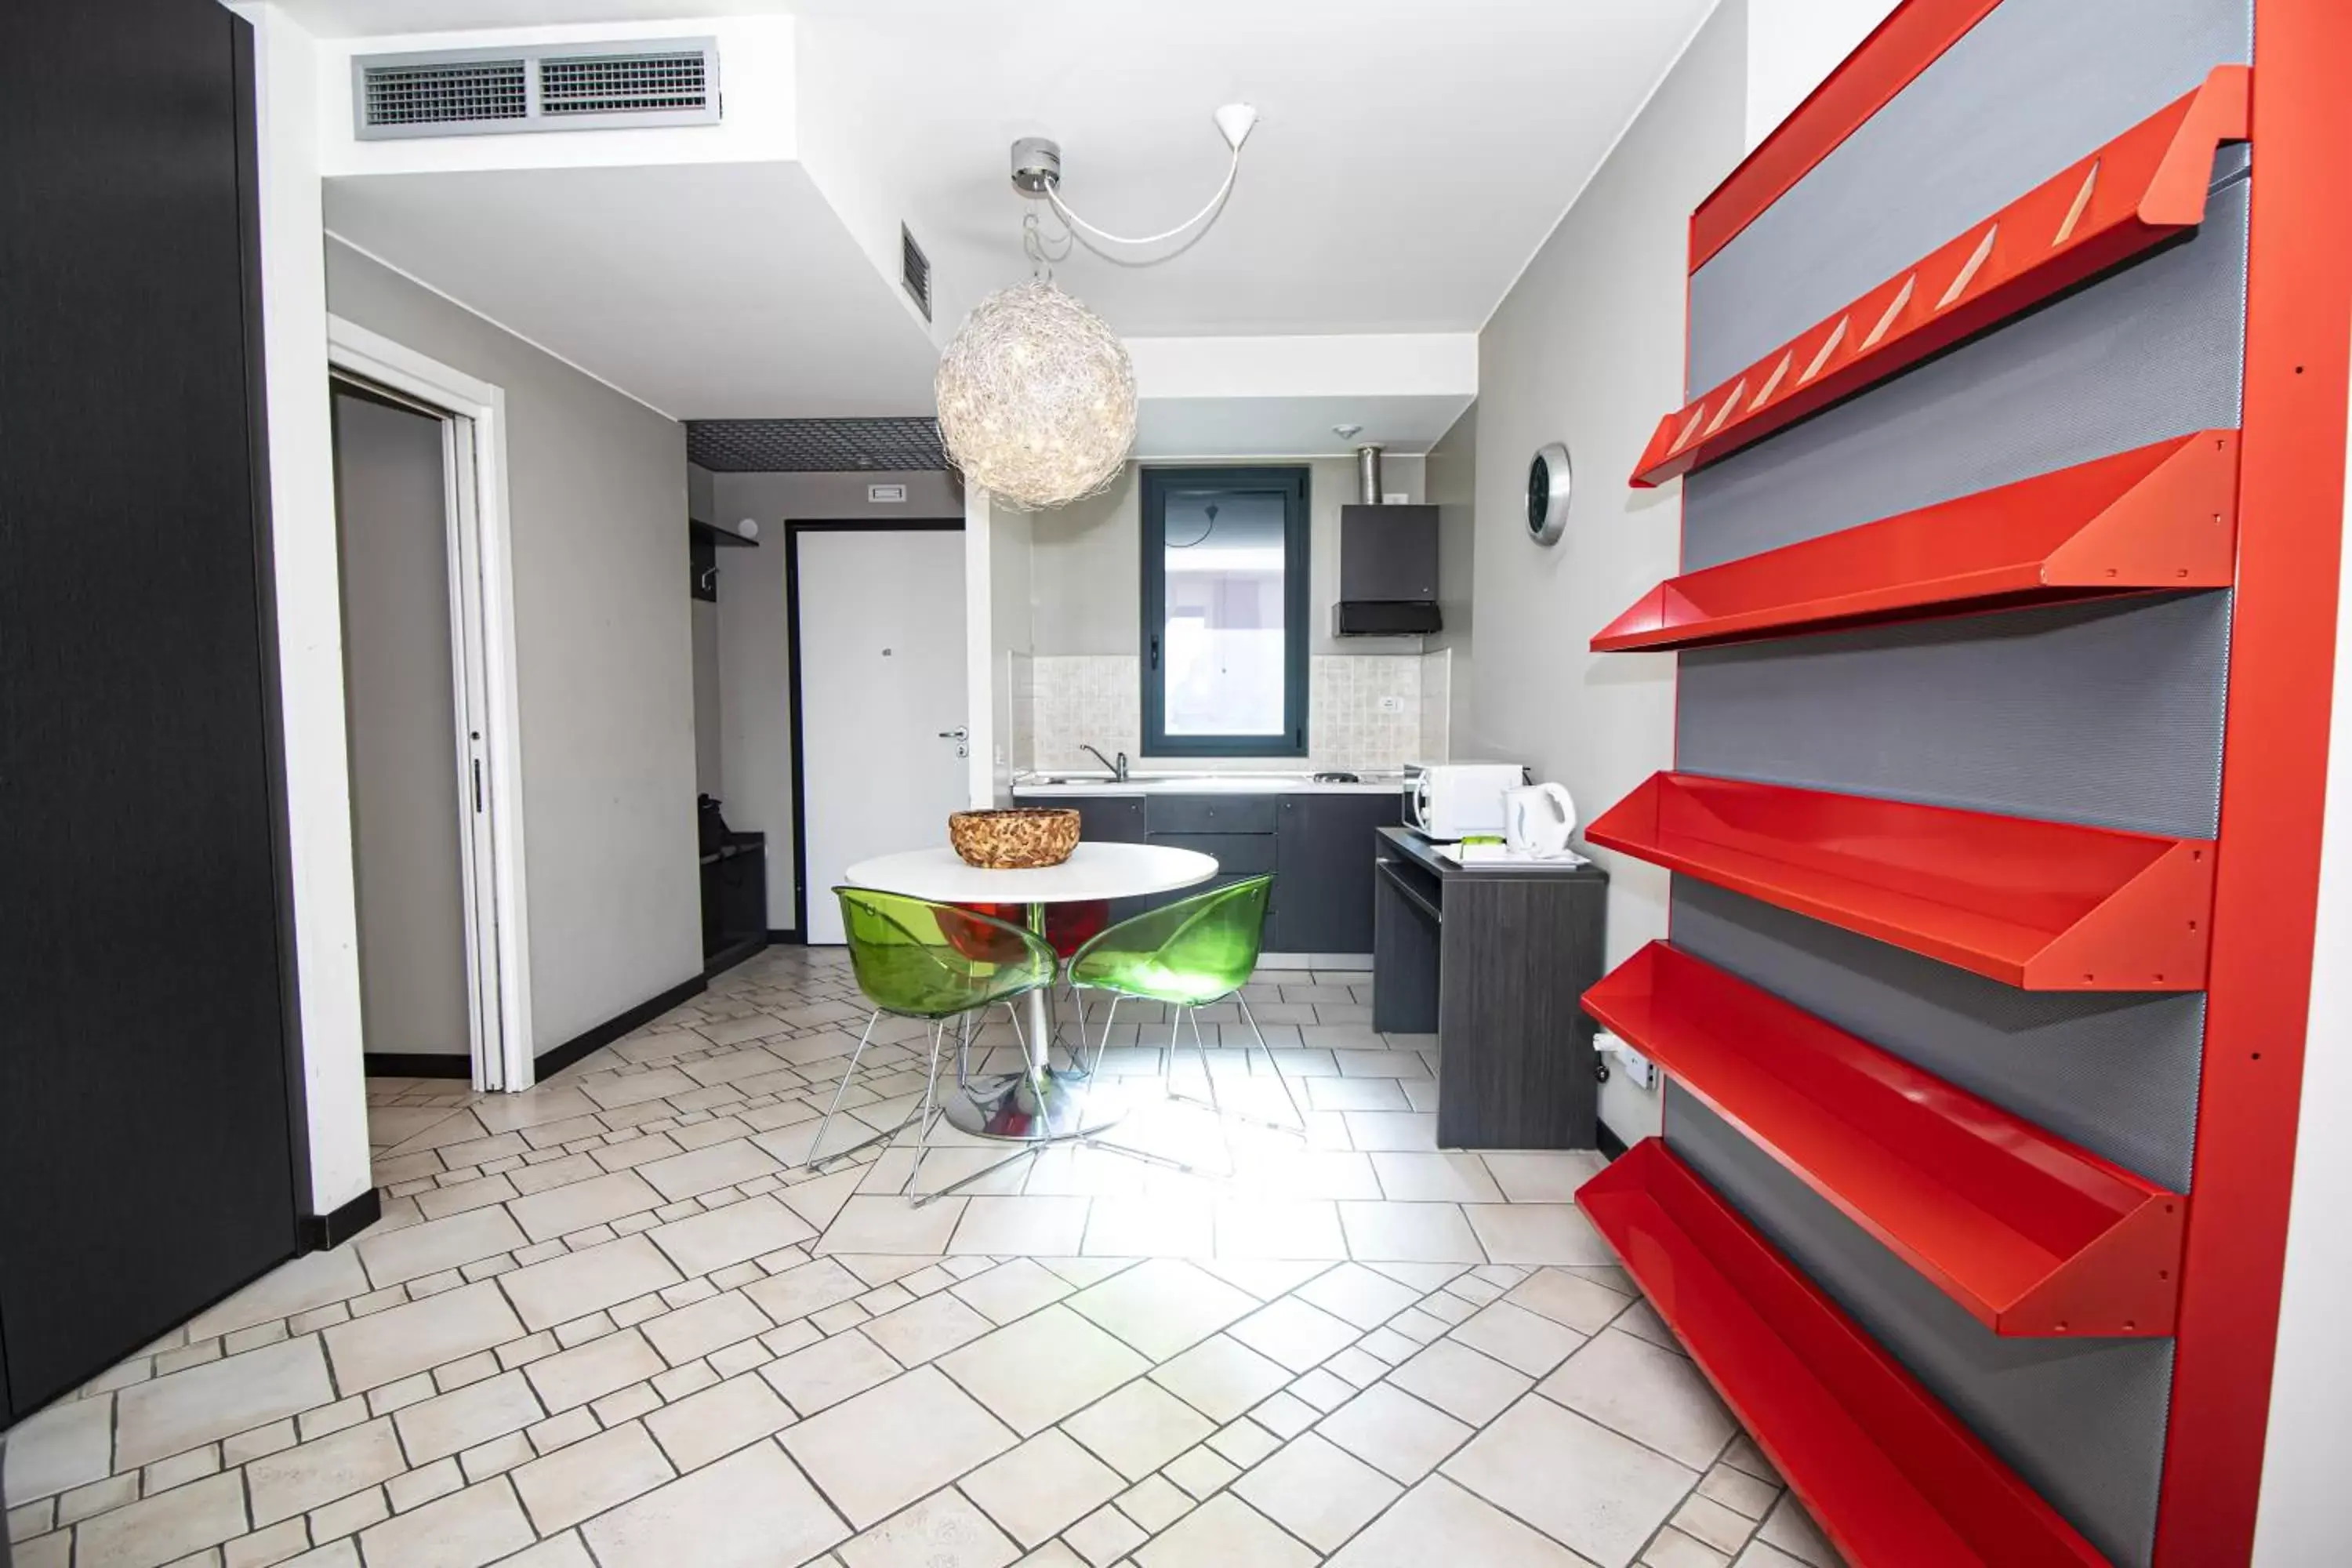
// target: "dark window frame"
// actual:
[[1297, 561]]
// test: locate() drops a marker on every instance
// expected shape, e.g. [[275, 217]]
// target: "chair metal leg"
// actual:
[[1202, 1051], [930, 1086], [847, 1074], [1287, 1094]]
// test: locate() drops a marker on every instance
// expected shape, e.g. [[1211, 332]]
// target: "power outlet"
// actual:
[[1392, 704]]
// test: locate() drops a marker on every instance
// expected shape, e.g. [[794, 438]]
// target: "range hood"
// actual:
[[1388, 562]]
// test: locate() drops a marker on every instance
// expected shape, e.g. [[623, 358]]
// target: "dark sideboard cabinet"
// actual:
[[1492, 960]]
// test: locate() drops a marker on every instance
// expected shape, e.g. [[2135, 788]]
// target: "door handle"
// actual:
[[959, 733]]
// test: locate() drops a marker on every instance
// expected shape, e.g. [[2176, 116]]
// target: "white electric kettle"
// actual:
[[1539, 818]]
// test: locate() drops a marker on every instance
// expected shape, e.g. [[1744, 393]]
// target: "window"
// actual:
[[1224, 612]]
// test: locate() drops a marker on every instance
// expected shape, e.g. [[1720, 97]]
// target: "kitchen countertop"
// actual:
[[1062, 784]]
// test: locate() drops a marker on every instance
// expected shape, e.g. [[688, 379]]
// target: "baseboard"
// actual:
[[1608, 1142], [790, 937], [323, 1232], [416, 1064], [555, 1059], [718, 964]]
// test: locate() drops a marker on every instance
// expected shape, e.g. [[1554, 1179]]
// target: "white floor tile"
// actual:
[[1162, 1305], [1042, 1486], [1221, 1377], [1139, 1428], [753, 1510], [1316, 1492], [1459, 1381], [1537, 1233], [1220, 1533], [863, 1455], [943, 1530], [1409, 1233], [1437, 1522], [1393, 1432], [165, 1414], [1651, 1395], [1033, 1372], [1597, 1493]]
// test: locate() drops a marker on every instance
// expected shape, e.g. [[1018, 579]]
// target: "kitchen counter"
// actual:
[[1061, 784]]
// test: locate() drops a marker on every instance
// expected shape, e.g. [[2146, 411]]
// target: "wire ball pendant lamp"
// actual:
[[1036, 393]]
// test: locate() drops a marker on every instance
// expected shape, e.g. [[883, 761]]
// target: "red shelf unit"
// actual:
[[2158, 517], [1895, 1478], [2140, 188], [2043, 906], [2031, 1235]]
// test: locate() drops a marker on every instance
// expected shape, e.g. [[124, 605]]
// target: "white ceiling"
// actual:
[[707, 289], [1410, 156]]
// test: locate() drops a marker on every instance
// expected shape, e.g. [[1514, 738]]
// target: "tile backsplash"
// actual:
[[1097, 698]]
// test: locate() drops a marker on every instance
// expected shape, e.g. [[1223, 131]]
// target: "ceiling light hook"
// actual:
[[1037, 173]]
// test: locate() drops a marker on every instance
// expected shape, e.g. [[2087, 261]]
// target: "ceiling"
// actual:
[[706, 289], [1409, 157]]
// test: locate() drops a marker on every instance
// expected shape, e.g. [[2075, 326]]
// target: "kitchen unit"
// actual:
[[1317, 839]]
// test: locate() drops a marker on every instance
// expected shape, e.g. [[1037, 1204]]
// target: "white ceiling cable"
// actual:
[[1234, 122]]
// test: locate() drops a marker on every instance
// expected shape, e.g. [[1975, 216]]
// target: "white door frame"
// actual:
[[482, 645]]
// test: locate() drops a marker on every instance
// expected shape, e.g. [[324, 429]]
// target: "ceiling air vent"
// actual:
[[552, 87], [915, 272]]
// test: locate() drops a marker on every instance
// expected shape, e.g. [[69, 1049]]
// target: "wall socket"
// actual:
[[1392, 704]]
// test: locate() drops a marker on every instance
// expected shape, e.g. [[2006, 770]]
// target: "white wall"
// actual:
[[2309, 1445], [310, 619], [1792, 45], [392, 518], [1586, 348], [755, 678], [1451, 474], [1088, 571], [597, 486], [1010, 593]]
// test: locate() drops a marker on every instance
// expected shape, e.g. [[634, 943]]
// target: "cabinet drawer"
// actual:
[[1236, 854], [1210, 813]]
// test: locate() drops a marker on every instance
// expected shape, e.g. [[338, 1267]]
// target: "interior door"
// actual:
[[878, 659], [147, 1164]]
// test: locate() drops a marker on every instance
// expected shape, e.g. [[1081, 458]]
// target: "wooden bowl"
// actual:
[[1021, 840]]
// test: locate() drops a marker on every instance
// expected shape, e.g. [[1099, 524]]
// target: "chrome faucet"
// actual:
[[1117, 769]]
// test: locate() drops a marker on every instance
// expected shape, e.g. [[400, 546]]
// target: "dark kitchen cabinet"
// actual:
[[1387, 554], [1323, 865], [1108, 819]]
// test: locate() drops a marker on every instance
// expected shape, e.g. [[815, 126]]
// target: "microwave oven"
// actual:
[[1448, 800]]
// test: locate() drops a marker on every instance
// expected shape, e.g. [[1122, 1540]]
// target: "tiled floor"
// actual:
[[612, 1323]]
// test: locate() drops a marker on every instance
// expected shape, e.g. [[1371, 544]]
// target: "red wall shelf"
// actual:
[[2158, 517], [2043, 906], [2031, 1235], [1893, 1478], [2140, 188]]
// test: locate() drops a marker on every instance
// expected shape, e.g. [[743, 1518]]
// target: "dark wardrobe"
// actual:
[[149, 1162]]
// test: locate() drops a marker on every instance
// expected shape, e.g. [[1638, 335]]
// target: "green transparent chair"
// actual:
[[1187, 954], [935, 963]]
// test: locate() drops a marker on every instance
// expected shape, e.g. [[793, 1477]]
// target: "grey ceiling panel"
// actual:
[[814, 446]]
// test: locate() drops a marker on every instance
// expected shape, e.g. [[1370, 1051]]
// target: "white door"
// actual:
[[882, 699]]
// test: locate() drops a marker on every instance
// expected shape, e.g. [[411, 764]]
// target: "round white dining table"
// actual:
[[1040, 1104]]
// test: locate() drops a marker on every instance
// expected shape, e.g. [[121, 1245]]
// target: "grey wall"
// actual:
[[400, 707], [1012, 570], [1451, 481], [2108, 714], [754, 659], [1088, 573], [1587, 349], [597, 485]]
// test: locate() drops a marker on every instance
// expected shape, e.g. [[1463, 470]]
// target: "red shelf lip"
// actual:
[[2157, 517], [1893, 1478], [2043, 906], [2031, 1235], [2143, 187]]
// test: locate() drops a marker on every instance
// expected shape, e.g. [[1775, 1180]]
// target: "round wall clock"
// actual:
[[1548, 483]]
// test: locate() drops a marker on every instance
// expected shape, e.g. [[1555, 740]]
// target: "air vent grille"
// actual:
[[447, 94], [914, 271], [622, 84], [568, 87]]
